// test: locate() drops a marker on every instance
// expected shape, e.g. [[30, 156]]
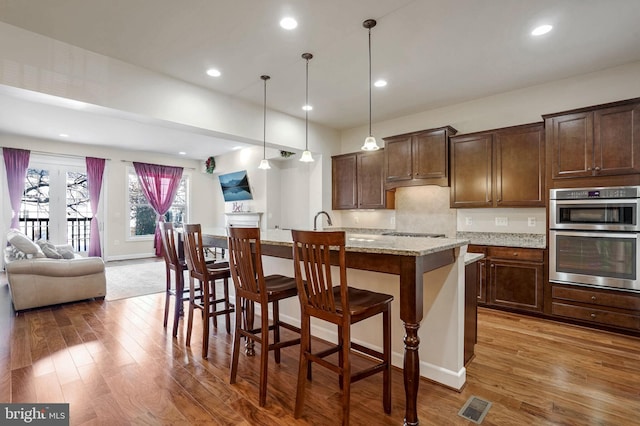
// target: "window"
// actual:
[[142, 218], [55, 203]]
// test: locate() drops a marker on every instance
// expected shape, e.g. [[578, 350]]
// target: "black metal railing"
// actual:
[[78, 230]]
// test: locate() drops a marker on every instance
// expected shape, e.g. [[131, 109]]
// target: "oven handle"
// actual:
[[607, 234]]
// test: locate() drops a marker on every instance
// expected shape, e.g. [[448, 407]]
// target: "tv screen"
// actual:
[[235, 186]]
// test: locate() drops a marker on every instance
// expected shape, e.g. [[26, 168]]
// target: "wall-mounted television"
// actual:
[[235, 186]]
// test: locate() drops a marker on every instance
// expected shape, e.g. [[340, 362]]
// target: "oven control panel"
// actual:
[[595, 193]]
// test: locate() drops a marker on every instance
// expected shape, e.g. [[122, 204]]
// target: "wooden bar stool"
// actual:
[[245, 260], [341, 305], [176, 267], [206, 274]]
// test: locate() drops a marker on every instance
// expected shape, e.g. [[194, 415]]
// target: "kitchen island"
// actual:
[[426, 277]]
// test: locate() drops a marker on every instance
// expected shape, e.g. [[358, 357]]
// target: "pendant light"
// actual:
[[264, 164], [370, 143], [306, 155]]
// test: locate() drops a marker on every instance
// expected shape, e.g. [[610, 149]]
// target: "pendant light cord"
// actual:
[[306, 112], [264, 128], [370, 82]]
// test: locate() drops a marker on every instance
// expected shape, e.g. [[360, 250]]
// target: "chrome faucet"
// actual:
[[315, 227]]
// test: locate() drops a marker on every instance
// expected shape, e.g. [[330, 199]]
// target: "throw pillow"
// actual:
[[23, 243], [49, 249], [15, 254], [66, 251]]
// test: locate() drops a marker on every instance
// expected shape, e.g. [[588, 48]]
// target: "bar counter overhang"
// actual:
[[426, 278]]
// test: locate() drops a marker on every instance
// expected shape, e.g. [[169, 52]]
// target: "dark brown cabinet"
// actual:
[[470, 309], [418, 158], [608, 308], [499, 168], [513, 278], [358, 181], [595, 141]]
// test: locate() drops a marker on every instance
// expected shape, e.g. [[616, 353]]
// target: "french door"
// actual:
[[55, 204]]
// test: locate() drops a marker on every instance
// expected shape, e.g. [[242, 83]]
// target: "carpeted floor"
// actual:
[[135, 279]]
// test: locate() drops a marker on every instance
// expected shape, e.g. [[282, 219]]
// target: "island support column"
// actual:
[[411, 313]]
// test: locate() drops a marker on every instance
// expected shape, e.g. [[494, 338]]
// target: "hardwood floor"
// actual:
[[115, 364]]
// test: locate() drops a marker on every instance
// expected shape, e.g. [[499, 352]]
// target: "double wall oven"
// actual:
[[593, 237]]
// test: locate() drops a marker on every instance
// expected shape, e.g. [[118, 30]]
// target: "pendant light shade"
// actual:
[[264, 164], [370, 143], [306, 155]]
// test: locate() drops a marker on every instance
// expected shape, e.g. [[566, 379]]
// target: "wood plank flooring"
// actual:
[[116, 365]]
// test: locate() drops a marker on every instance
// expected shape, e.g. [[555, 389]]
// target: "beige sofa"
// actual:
[[38, 281]]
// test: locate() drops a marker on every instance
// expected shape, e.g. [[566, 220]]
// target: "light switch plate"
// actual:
[[502, 221], [531, 221], [468, 221]]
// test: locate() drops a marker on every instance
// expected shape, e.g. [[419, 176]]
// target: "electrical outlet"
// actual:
[[502, 221], [356, 219], [531, 221], [468, 221], [393, 221]]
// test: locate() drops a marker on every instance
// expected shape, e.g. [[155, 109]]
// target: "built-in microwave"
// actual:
[[595, 209]]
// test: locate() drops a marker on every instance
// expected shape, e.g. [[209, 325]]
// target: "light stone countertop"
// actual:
[[364, 242], [472, 257], [505, 239]]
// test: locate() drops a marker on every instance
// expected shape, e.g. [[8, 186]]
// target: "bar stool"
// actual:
[[177, 266], [253, 287], [207, 276], [341, 305]]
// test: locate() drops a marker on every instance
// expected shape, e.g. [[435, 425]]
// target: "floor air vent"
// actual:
[[475, 409]]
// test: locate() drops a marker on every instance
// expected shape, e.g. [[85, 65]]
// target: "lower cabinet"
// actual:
[[609, 308], [471, 309], [511, 278]]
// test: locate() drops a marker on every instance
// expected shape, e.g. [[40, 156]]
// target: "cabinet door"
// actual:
[[519, 167], [571, 147], [482, 281], [398, 164], [344, 182], [371, 194], [471, 165], [516, 285], [430, 159], [617, 140]]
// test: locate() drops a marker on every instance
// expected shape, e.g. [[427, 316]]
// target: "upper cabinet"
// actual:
[[418, 158], [358, 181], [596, 141], [499, 168]]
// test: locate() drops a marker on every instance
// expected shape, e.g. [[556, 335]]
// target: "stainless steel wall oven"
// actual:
[[593, 236]]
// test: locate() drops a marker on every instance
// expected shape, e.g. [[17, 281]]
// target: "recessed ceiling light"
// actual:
[[235, 148], [182, 153], [63, 135], [542, 29], [288, 23], [380, 83], [213, 72], [307, 108]]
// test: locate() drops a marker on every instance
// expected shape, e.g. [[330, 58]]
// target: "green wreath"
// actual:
[[210, 165]]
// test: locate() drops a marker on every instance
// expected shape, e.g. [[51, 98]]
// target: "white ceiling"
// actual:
[[432, 52]]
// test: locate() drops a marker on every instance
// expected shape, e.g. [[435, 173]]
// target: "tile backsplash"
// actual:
[[426, 209]]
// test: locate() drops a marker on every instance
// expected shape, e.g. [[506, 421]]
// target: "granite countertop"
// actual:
[[472, 257], [364, 242], [505, 239]]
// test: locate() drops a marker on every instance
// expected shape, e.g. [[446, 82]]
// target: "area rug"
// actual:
[[135, 280]]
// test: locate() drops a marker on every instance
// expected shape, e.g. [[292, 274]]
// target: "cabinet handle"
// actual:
[[593, 315], [493, 266], [593, 298], [588, 168], [597, 168], [515, 254]]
